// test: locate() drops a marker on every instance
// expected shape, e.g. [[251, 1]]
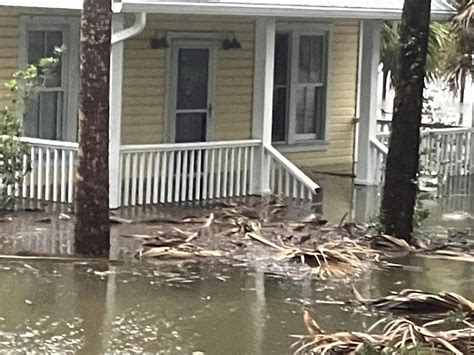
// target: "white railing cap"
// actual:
[[379, 145], [47, 143], [139, 148], [292, 169]]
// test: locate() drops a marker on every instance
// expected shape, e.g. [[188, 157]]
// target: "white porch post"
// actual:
[[263, 100], [369, 55], [115, 114]]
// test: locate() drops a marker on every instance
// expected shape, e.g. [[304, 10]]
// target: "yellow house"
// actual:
[[209, 98]]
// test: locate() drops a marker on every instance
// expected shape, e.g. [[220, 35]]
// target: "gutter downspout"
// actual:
[[119, 35], [137, 27]]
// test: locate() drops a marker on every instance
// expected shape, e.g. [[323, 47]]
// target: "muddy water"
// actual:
[[92, 308], [185, 309]]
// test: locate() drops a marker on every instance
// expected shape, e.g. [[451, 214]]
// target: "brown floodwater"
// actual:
[[210, 307], [92, 308]]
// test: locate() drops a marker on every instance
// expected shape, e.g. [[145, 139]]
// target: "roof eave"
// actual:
[[275, 11]]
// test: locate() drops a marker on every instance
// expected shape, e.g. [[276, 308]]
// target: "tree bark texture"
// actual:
[[92, 227], [400, 190]]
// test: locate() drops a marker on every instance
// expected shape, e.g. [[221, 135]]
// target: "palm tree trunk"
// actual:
[[92, 177], [399, 195]]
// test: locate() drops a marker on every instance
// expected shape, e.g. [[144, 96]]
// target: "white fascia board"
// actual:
[[266, 10], [50, 4]]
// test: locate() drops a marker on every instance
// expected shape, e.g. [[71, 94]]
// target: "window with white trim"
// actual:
[[53, 114], [300, 85]]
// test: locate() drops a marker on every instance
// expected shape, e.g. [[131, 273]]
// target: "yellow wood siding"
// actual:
[[144, 81], [342, 101], [145, 69], [9, 33], [145, 85]]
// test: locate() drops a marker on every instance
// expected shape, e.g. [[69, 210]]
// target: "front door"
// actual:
[[192, 64]]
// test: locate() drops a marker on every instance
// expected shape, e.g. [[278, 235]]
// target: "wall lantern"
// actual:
[[231, 42], [159, 42]]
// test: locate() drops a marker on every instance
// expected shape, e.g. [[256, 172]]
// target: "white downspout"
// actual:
[[137, 27], [119, 35]]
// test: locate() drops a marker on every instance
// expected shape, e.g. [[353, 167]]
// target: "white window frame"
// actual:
[[295, 31], [70, 27]]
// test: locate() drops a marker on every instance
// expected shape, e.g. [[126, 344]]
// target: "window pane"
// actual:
[[31, 120], [53, 39], [50, 115], [279, 114], [280, 87], [309, 111], [281, 58], [193, 65], [310, 67], [36, 45], [43, 118]]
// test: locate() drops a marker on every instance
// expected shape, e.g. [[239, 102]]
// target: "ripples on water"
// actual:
[[181, 309]]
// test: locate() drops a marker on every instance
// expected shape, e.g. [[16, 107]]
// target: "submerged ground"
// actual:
[[210, 306]]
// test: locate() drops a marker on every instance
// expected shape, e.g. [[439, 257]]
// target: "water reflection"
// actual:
[[92, 309], [51, 231]]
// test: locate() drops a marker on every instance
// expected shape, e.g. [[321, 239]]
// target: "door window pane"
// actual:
[[193, 66], [190, 127]]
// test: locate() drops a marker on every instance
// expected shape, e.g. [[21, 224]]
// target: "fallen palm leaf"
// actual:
[[311, 325], [183, 251], [137, 236], [396, 335], [120, 220], [419, 302], [166, 252], [330, 259], [391, 243]]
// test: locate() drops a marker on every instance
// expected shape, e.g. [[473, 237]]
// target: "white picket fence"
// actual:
[[48, 171], [447, 151]]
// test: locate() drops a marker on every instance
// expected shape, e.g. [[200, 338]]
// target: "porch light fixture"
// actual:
[[159, 42], [231, 42]]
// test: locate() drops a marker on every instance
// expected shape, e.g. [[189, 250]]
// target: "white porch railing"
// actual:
[[379, 153], [287, 179], [384, 125], [165, 173], [48, 171], [448, 151]]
